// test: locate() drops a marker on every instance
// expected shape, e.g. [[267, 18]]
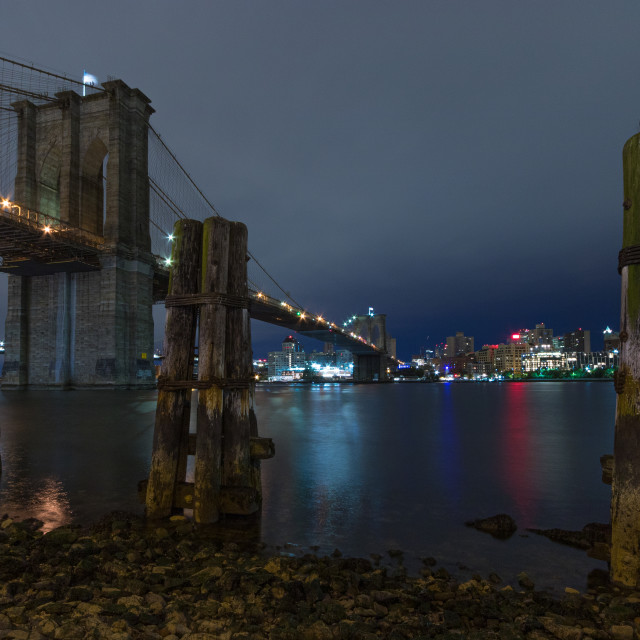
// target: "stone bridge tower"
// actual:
[[84, 160], [373, 328]]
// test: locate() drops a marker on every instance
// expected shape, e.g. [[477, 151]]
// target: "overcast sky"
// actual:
[[454, 164]]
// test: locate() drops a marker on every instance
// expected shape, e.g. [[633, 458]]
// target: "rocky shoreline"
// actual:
[[126, 579]]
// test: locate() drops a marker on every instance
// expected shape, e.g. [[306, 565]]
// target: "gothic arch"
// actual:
[[92, 186], [49, 182]]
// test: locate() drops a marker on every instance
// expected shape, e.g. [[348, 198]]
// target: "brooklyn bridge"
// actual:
[[89, 194]]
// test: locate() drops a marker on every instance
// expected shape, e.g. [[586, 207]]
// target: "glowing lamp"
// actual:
[[47, 229]]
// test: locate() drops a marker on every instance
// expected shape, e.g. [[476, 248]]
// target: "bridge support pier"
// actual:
[[81, 329], [369, 368]]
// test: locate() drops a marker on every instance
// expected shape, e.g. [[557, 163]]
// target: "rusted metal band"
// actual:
[[628, 255], [221, 383], [238, 302]]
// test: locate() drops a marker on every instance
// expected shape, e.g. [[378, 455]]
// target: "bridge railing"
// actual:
[[48, 224]]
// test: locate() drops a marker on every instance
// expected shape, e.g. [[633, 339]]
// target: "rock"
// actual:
[[525, 581], [621, 632], [63, 536], [560, 631], [592, 535], [501, 526]]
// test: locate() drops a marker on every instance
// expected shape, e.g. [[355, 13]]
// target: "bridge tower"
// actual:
[[69, 327], [373, 328]]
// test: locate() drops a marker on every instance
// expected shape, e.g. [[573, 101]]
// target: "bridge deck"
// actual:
[[33, 244], [263, 308]]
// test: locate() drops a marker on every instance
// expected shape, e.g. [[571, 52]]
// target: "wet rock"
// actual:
[[594, 534], [525, 581], [501, 526], [63, 536]]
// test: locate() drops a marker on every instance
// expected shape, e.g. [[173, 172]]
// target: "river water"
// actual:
[[361, 468]]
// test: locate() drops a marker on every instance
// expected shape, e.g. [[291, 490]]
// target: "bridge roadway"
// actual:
[[262, 307], [32, 243]]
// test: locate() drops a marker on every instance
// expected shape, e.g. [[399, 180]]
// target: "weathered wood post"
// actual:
[[172, 413], [211, 367], [226, 444], [236, 460], [625, 499]]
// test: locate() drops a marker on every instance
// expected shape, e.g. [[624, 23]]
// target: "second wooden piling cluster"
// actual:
[[209, 274]]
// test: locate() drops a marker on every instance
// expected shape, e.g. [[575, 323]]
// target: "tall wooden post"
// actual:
[[172, 413], [236, 469], [211, 366], [625, 500], [226, 444]]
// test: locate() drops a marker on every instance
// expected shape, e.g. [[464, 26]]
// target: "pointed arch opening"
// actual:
[[93, 185], [49, 183]]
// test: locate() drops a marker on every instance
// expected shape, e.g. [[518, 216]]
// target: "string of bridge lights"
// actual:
[[11, 207], [297, 312]]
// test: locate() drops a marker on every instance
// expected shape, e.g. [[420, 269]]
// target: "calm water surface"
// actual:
[[363, 468]]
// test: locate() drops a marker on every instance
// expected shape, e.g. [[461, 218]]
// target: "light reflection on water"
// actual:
[[364, 468]]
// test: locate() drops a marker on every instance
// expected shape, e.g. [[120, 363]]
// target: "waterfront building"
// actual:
[[485, 359], [598, 360], [508, 357], [535, 360], [288, 364], [292, 363]]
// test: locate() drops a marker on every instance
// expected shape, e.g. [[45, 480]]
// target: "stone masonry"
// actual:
[[89, 328]]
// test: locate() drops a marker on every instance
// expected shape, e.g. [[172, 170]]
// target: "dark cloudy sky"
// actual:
[[454, 164]]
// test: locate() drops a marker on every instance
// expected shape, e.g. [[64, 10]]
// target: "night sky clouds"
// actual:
[[456, 165]]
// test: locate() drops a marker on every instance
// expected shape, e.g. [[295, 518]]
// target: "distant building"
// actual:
[[486, 359], [458, 345], [597, 360], [288, 364], [578, 341], [540, 338], [611, 340], [508, 357], [535, 360]]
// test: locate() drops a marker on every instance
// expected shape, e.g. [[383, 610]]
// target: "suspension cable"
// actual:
[[50, 73], [166, 199], [186, 173]]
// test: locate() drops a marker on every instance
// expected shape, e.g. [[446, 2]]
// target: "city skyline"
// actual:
[[455, 166], [596, 339]]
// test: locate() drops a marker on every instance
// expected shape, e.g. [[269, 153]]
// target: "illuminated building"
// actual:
[[458, 345], [611, 340], [547, 360], [578, 341], [508, 357], [540, 338], [288, 364], [486, 359]]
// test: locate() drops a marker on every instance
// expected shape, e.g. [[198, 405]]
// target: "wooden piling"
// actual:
[[172, 413], [625, 499], [211, 366], [236, 461]]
